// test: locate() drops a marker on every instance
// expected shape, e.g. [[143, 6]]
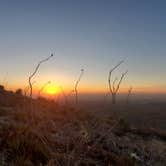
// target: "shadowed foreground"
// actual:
[[62, 135]]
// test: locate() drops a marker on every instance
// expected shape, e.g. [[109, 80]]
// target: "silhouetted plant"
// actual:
[[76, 86], [43, 87], [35, 71], [27, 88], [2, 88], [129, 94], [114, 89], [19, 92]]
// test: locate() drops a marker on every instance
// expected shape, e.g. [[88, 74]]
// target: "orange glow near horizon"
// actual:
[[51, 90]]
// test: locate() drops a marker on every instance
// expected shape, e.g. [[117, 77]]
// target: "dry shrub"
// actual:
[[25, 145]]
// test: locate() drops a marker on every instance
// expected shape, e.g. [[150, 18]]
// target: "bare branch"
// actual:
[[77, 82], [117, 66], [110, 74], [120, 81], [109, 82], [76, 85], [115, 80], [26, 89], [112, 86], [36, 69]]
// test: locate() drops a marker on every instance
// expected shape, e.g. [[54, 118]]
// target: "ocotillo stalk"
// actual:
[[35, 71], [27, 88], [114, 89], [76, 86]]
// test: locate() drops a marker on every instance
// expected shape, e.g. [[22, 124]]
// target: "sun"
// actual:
[[51, 90]]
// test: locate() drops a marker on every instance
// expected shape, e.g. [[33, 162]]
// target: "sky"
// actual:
[[90, 34]]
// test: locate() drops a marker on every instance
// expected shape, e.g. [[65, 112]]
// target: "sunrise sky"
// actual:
[[90, 34]]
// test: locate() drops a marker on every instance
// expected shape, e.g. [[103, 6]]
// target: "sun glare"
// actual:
[[51, 90]]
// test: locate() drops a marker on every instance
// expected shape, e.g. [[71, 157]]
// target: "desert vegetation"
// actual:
[[82, 83], [35, 71], [76, 86], [63, 135], [113, 87], [39, 131]]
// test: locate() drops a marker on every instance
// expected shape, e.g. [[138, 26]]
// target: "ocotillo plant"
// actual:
[[35, 71], [76, 86], [26, 89], [114, 89], [129, 94], [43, 87]]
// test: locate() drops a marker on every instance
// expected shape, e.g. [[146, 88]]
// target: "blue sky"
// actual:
[[89, 34]]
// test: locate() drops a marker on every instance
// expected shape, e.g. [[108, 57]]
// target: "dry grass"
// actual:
[[64, 136]]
